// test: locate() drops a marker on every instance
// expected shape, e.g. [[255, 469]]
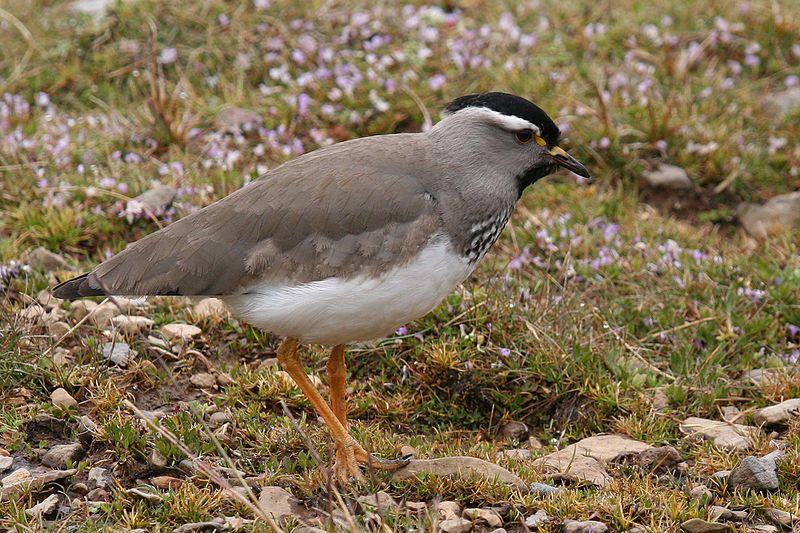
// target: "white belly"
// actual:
[[336, 311]]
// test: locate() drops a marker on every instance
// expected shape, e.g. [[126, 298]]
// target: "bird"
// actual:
[[350, 241]]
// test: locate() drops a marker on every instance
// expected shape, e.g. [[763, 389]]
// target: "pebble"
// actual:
[[209, 308], [203, 380], [154, 200], [166, 482], [717, 512], [78, 309], [539, 518], [777, 215], [102, 314], [98, 495], [702, 494], [543, 489], [455, 525], [131, 325], [586, 526], [59, 455], [45, 507], [448, 510], [118, 353], [219, 418], [281, 504], [61, 398], [100, 477], [381, 500], [5, 463], [17, 476], [781, 518], [779, 414], [667, 177], [513, 431], [697, 525], [756, 473], [660, 459], [58, 329], [44, 259], [178, 331], [763, 528], [483, 516]]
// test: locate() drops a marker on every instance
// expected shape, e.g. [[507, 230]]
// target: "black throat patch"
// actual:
[[511, 105]]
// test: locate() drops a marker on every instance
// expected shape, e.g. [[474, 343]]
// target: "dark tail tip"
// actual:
[[76, 288]]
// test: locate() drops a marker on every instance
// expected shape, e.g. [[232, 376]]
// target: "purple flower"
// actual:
[[402, 330], [505, 352], [437, 81], [167, 56], [42, 100], [755, 295], [793, 330], [792, 80]]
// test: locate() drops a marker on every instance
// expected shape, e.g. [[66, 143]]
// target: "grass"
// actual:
[[591, 302]]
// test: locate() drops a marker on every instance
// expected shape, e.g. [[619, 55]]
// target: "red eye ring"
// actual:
[[523, 136]]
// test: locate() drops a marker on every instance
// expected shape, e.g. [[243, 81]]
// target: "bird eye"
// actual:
[[524, 136]]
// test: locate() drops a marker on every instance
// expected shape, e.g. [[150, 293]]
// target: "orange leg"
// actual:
[[337, 374]]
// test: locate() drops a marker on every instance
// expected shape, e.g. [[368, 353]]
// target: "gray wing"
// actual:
[[332, 213]]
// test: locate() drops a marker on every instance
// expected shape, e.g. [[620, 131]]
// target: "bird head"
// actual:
[[508, 134]]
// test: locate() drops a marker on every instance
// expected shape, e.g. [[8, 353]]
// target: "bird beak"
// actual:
[[565, 160]]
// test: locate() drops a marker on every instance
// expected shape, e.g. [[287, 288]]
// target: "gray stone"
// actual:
[[80, 308], [778, 214], [209, 309], [60, 454], [203, 380], [455, 525], [44, 259], [517, 454], [487, 517], [781, 518], [513, 431], [218, 524], [778, 414], [132, 325], [586, 526], [660, 459], [118, 353], [101, 478], [5, 463], [543, 489], [98, 495], [19, 475], [219, 418], [282, 505], [717, 512], [667, 177], [724, 435], [702, 494], [102, 314], [697, 525], [756, 473], [459, 466], [537, 519], [154, 200], [178, 331], [448, 510], [45, 507], [380, 500]]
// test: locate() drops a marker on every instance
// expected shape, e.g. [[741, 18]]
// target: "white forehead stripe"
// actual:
[[509, 122]]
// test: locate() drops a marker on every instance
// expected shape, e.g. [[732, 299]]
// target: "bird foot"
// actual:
[[350, 458]]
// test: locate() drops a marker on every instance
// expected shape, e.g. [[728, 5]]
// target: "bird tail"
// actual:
[[80, 287]]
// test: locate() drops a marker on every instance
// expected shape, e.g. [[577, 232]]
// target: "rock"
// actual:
[[702, 494], [102, 314], [218, 524], [146, 494], [45, 507], [483, 516], [132, 325], [166, 482], [153, 201], [46, 299], [778, 214], [584, 460], [537, 519], [58, 329], [720, 477], [448, 510], [724, 435], [98, 495], [543, 489], [61, 398], [209, 309], [455, 525], [517, 454], [16, 477], [459, 466], [61, 356], [717, 512], [513, 431], [59, 455], [660, 401], [587, 526], [80, 488], [416, 506], [96, 9], [731, 414], [5, 463], [282, 505], [667, 177], [756, 473], [381, 500], [235, 119], [99, 478], [660, 459], [203, 380], [781, 518], [778, 415], [697, 525], [782, 103], [219, 418], [763, 528], [407, 450], [118, 353], [78, 309], [176, 331], [44, 259]]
